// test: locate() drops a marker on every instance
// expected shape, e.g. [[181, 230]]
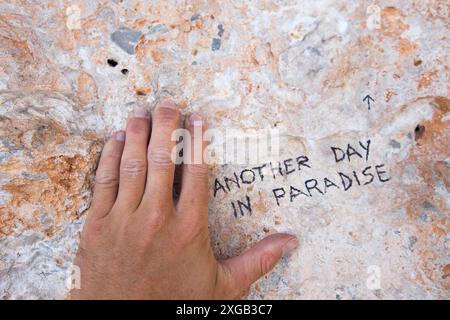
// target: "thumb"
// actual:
[[243, 270]]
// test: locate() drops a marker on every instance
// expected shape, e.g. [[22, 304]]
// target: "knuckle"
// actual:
[[155, 222], [160, 156], [111, 152], [166, 116], [198, 170], [137, 125], [193, 232], [266, 262], [133, 167], [106, 178], [90, 234], [128, 233]]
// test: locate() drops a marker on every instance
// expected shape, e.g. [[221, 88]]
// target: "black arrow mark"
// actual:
[[368, 98]]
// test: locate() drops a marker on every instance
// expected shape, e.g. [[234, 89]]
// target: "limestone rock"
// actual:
[[71, 71]]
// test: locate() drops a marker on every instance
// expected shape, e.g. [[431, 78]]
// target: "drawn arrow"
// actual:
[[368, 98]]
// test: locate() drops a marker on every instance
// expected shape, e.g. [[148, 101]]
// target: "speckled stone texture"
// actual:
[[70, 71]]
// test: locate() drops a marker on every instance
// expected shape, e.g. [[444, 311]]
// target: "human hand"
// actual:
[[139, 243]]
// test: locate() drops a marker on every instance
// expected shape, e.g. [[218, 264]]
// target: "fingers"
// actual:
[[133, 165], [158, 193], [257, 261], [194, 188], [107, 176]]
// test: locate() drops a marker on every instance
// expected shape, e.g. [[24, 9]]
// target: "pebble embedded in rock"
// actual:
[[215, 45], [195, 16], [126, 39], [221, 30]]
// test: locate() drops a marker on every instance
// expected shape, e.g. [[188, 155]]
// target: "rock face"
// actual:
[[70, 71]]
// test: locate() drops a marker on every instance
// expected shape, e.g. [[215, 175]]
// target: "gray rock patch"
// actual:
[[126, 39]]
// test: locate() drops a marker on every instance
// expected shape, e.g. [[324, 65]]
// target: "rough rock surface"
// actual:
[[70, 71]]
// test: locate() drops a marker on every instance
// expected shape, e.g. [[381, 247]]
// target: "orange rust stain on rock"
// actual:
[[277, 220], [438, 230], [203, 42], [59, 195], [443, 172], [260, 205], [366, 40], [143, 91], [139, 23], [20, 60], [87, 89], [446, 271], [426, 79], [442, 103], [66, 41], [185, 26], [45, 188], [428, 155], [18, 49], [198, 24], [341, 71], [388, 94], [393, 22], [148, 48], [405, 47], [156, 55], [220, 114]]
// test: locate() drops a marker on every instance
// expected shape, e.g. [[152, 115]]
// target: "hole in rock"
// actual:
[[418, 132], [112, 62]]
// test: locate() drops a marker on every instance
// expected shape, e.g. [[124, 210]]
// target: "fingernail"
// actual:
[[290, 245], [120, 135], [140, 113], [168, 104], [195, 120]]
